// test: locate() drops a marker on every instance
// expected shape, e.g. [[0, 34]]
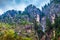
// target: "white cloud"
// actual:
[[23, 3], [15, 7], [20, 7], [1, 11]]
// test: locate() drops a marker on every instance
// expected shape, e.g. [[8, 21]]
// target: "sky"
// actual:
[[20, 4]]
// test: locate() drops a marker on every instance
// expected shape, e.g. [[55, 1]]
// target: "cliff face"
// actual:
[[51, 8], [31, 12], [50, 11], [14, 16]]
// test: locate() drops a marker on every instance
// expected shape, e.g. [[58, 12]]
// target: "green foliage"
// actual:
[[26, 38], [5, 25], [57, 26], [56, 1], [24, 22], [48, 24], [10, 34]]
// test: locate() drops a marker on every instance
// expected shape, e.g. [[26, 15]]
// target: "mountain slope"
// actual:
[[14, 16]]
